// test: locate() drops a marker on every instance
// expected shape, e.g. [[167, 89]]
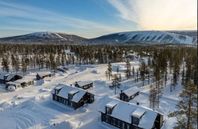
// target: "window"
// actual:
[[135, 121], [127, 126], [108, 110]]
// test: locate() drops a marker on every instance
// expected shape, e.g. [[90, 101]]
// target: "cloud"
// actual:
[[29, 17], [158, 14]]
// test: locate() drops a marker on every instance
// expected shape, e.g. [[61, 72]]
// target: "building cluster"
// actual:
[[118, 113], [13, 81]]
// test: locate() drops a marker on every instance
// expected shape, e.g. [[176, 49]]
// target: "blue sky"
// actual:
[[92, 18]]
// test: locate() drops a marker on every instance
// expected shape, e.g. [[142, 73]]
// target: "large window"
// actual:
[[108, 110], [135, 121]]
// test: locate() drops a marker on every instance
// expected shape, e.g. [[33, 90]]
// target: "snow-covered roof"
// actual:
[[83, 83], [8, 75], [65, 90], [131, 91], [13, 83], [44, 73], [111, 104], [73, 91], [124, 111], [138, 112], [69, 52], [27, 78]]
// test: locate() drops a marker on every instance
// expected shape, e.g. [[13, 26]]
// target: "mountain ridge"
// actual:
[[131, 37]]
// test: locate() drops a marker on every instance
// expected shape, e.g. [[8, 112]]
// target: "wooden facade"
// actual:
[[20, 83], [129, 94], [129, 116], [124, 125], [85, 97], [43, 75], [84, 85], [9, 78]]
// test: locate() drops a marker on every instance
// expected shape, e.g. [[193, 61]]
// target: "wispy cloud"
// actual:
[[49, 20], [158, 14]]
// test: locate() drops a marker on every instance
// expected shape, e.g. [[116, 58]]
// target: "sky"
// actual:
[[92, 18]]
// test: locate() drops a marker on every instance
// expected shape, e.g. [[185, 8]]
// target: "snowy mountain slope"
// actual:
[[43, 37], [152, 37], [134, 37]]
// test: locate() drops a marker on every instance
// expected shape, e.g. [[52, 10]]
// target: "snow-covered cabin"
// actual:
[[43, 74], [71, 96], [131, 57], [84, 84], [25, 81], [9, 77], [128, 116], [68, 52], [129, 94]]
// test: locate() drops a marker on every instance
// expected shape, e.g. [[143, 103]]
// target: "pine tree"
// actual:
[[5, 64], [187, 114], [128, 69], [109, 70], [143, 71], [23, 65], [115, 83]]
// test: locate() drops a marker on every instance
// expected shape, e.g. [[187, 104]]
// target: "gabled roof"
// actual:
[[83, 83], [124, 111], [65, 90], [8, 76], [138, 113], [111, 104], [131, 91], [25, 79], [43, 73]]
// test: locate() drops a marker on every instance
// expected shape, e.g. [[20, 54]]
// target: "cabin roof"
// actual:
[[27, 78], [65, 90], [13, 83], [111, 104], [138, 113], [124, 111], [9, 75], [131, 91], [43, 73], [83, 83]]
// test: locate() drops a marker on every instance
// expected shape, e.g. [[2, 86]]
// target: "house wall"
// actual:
[[116, 122], [2, 81], [87, 98], [124, 97]]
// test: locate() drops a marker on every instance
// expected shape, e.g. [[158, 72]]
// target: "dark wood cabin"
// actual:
[[4, 78], [42, 75], [129, 94], [72, 96], [84, 84], [129, 116], [24, 82]]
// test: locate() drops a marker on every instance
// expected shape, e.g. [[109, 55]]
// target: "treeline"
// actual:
[[23, 57]]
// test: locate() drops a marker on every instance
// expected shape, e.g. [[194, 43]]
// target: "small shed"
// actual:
[[43, 74], [84, 84], [129, 94]]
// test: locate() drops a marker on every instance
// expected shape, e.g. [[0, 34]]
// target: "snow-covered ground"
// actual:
[[32, 107]]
